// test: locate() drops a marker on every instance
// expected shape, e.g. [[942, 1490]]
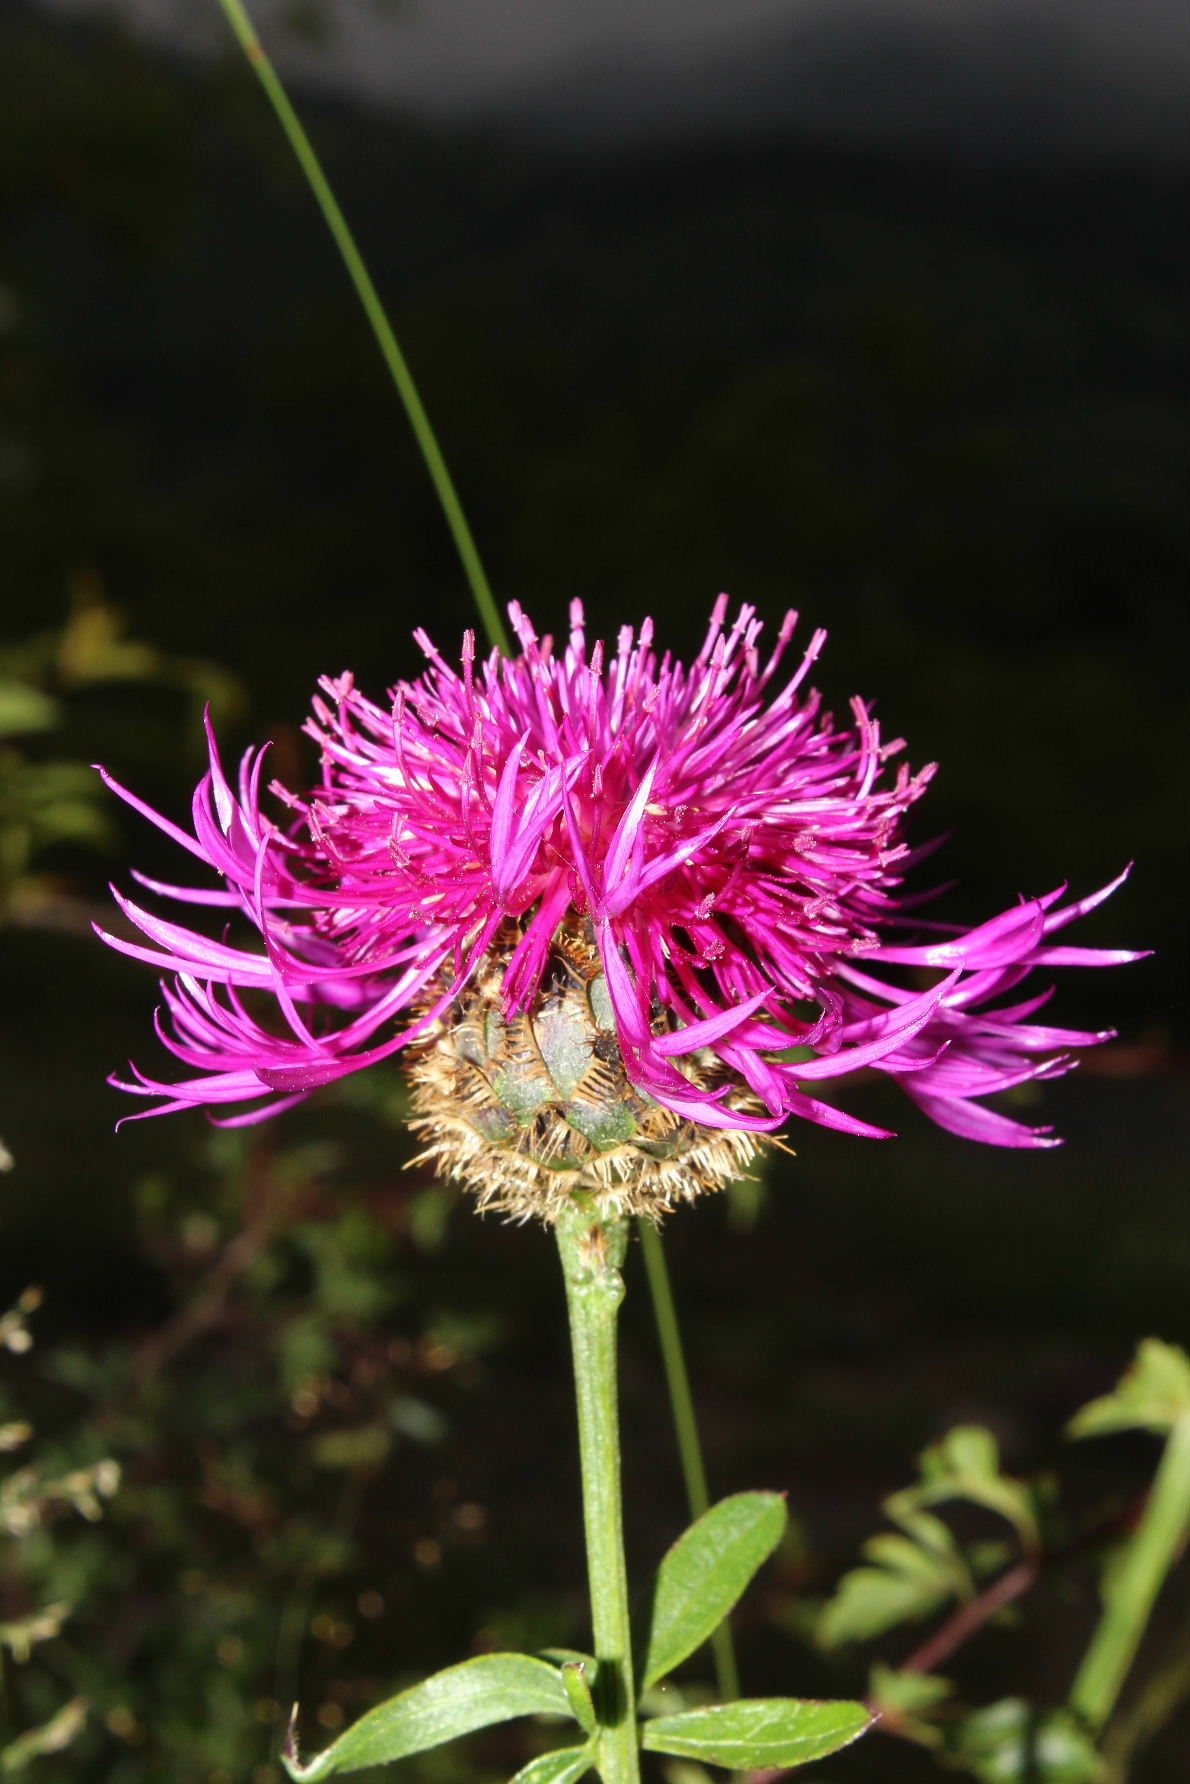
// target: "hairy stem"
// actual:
[[592, 1250], [386, 340], [681, 1401]]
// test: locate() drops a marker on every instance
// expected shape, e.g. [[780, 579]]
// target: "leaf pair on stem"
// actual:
[[698, 1582]]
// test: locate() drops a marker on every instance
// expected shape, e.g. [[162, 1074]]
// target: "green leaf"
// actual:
[[914, 1571], [1152, 1395], [907, 1692], [871, 1600], [51, 1737], [909, 1580], [758, 1731], [1014, 1742], [969, 1450], [965, 1464], [928, 1562], [908, 1702], [704, 1574], [474, 1694], [560, 1767], [24, 709]]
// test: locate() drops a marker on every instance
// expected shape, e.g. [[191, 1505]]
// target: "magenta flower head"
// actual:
[[623, 915]]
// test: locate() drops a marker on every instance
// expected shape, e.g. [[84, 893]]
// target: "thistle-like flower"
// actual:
[[623, 916]]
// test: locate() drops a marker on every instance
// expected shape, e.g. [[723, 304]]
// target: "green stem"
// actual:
[[1134, 1582], [681, 1401], [592, 1250], [394, 359]]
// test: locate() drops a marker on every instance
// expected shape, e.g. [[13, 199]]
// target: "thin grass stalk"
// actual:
[[386, 340], [677, 1381]]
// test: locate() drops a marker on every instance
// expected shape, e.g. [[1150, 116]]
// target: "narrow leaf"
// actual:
[[1153, 1395], [909, 1580], [24, 709], [758, 1732], [51, 1737], [965, 1464], [492, 1688], [704, 1574], [907, 1692], [560, 1767], [910, 1703]]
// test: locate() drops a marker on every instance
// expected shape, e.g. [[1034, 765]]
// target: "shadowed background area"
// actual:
[[878, 314]]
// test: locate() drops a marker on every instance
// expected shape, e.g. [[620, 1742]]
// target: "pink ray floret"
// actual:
[[738, 856]]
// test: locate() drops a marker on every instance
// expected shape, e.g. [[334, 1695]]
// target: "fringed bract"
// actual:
[[529, 1109]]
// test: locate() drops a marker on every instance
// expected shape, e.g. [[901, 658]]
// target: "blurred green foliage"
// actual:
[[53, 808], [254, 1426], [30, 1500], [923, 1568]]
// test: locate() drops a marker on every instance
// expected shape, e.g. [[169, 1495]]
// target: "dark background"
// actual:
[[932, 397]]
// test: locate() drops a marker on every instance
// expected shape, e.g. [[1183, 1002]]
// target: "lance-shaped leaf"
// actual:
[[560, 1767], [758, 1732], [1153, 1395], [910, 1576], [704, 1574], [965, 1464], [492, 1688]]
